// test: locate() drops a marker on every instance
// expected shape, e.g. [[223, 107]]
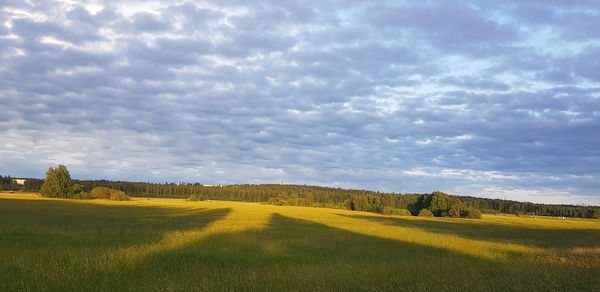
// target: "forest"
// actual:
[[316, 196]]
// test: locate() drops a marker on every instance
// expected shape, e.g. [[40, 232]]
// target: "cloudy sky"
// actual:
[[486, 98]]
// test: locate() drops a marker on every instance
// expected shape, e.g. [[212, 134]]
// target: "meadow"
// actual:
[[176, 245]]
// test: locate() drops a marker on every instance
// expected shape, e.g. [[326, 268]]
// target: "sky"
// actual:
[[497, 99]]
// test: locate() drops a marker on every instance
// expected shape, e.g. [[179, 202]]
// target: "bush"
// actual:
[[403, 212], [473, 214], [194, 198], [387, 210], [425, 213], [329, 205], [76, 192], [278, 202], [109, 194], [82, 196], [118, 196], [100, 193]]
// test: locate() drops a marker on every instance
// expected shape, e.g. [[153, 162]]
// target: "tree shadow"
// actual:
[[211, 250], [70, 241], [538, 237], [300, 255], [76, 223]]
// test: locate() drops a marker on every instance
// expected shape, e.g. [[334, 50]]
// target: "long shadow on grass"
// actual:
[[64, 245], [545, 238], [130, 256], [298, 255], [78, 224], [290, 254]]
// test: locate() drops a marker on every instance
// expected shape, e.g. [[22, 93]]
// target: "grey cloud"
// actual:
[[589, 64], [336, 93], [146, 22], [74, 33], [194, 18], [444, 23], [475, 83], [572, 23]]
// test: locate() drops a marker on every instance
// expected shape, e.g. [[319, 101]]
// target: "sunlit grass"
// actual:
[[169, 244], [238, 220], [472, 247]]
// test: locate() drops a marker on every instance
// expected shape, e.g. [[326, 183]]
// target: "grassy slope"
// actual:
[[169, 244]]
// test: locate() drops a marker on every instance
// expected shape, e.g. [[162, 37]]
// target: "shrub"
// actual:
[[387, 210], [192, 198], [110, 194], [425, 213], [76, 192], [82, 196], [100, 193], [403, 212], [278, 202], [118, 196], [473, 214], [329, 205]]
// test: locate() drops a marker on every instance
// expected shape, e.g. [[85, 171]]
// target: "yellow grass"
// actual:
[[148, 244]]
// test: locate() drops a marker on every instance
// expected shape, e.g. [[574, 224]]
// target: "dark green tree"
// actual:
[[7, 183], [58, 183], [457, 209], [360, 203], [438, 203], [33, 185]]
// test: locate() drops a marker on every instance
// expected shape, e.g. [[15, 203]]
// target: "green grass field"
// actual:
[[174, 245]]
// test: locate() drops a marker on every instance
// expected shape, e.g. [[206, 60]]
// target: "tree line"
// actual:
[[304, 195], [435, 204], [334, 197], [8, 183], [496, 206]]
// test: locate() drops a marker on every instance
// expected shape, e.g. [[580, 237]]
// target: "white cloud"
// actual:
[[322, 93], [542, 195]]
